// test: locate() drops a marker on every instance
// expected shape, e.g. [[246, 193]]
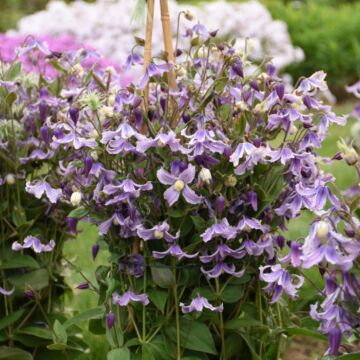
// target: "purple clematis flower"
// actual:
[[179, 185], [222, 268], [294, 255], [204, 140], [34, 243], [221, 252], [129, 296], [160, 231], [247, 224], [279, 281], [120, 140], [324, 243], [173, 250], [128, 189], [222, 229], [115, 219], [199, 304], [6, 292], [39, 187], [354, 89], [161, 140]]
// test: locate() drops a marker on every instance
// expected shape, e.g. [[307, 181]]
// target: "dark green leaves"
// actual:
[[194, 335], [78, 213], [94, 313], [119, 354], [162, 276], [14, 354]]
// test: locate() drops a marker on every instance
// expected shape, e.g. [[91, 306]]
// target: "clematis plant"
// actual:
[[190, 186]]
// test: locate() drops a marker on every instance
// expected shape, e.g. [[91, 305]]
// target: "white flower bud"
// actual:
[[158, 234], [205, 175], [76, 198], [179, 185], [189, 15], [322, 230], [230, 181], [180, 71], [78, 70], [203, 52], [10, 179], [95, 155]]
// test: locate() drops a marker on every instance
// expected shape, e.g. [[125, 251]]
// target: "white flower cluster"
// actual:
[[108, 26]]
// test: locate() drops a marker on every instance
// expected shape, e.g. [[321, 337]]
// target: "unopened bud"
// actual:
[[10, 179], [230, 181], [189, 15], [205, 176], [110, 320], [76, 198]]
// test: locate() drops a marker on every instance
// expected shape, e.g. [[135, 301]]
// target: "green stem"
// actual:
[[221, 327], [177, 315]]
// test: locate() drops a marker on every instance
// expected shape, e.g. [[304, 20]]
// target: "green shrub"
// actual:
[[328, 35]]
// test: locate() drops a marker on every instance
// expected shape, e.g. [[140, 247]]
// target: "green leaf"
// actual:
[[20, 261], [163, 277], [96, 326], [78, 213], [14, 71], [119, 354], [194, 335], [306, 332], [39, 332], [10, 319], [176, 213], [57, 346], [353, 356], [250, 345], [232, 294], [60, 335], [14, 354], [237, 324], [158, 298], [199, 222], [94, 313], [37, 279]]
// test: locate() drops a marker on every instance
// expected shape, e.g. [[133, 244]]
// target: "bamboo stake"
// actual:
[[148, 45], [167, 33]]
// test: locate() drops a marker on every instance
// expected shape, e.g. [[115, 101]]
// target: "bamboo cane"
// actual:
[[148, 45], [167, 33]]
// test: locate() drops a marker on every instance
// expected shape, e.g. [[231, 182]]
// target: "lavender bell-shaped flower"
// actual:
[[199, 304], [279, 281], [179, 185], [129, 296], [35, 244], [173, 250], [222, 229], [157, 232], [40, 187]]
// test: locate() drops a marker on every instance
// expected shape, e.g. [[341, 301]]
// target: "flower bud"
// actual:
[[351, 157], [348, 152], [74, 114], [44, 131], [179, 185], [230, 181], [202, 52], [94, 250], [10, 179], [94, 155], [110, 320], [76, 198], [189, 15], [220, 204], [205, 176], [349, 232], [83, 286], [322, 230], [71, 225]]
